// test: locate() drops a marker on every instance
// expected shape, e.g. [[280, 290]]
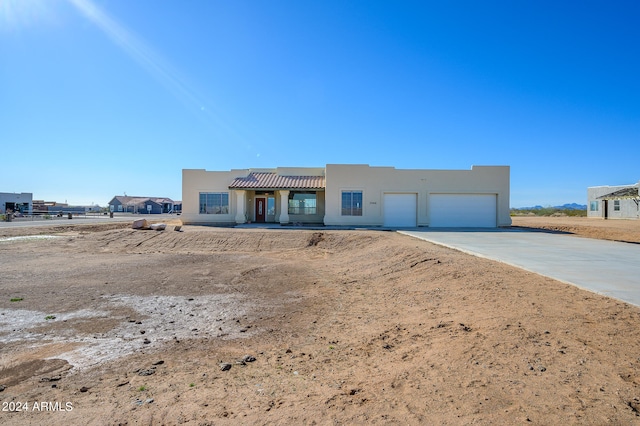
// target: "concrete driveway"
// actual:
[[605, 267]]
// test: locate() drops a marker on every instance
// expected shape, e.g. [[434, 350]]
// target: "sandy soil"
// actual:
[[118, 326], [615, 230]]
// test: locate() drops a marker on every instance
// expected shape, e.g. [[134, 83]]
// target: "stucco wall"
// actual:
[[195, 181], [628, 208], [374, 182], [297, 171]]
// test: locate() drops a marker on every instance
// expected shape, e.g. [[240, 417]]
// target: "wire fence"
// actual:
[[63, 215], [41, 216]]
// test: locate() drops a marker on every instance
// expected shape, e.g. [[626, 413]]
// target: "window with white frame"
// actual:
[[616, 205], [593, 206], [351, 203], [303, 203], [214, 203]]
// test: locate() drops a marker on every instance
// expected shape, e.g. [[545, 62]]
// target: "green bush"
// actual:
[[549, 211]]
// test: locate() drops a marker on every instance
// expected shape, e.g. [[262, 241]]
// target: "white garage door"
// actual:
[[400, 210], [463, 210]]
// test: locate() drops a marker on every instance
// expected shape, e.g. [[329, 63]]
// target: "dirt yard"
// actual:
[[615, 230], [109, 325]]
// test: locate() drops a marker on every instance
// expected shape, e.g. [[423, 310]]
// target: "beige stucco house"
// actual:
[[348, 195]]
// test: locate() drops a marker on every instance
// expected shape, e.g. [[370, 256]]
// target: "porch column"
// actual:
[[240, 206], [284, 206]]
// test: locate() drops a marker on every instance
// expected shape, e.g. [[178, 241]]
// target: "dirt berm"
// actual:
[[118, 326]]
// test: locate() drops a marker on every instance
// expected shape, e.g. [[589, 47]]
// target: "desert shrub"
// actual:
[[549, 211]]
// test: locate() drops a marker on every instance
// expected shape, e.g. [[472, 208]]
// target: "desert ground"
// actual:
[[104, 324], [614, 230]]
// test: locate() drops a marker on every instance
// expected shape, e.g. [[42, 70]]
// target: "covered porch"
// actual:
[[629, 193], [264, 197]]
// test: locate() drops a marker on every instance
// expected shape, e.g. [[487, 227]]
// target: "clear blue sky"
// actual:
[[103, 97]]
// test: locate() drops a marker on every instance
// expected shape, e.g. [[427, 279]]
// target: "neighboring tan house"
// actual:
[[614, 202], [348, 195], [141, 205]]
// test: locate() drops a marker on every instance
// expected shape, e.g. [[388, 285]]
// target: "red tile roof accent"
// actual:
[[275, 181]]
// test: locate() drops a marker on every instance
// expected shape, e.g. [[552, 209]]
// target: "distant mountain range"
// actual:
[[572, 206]]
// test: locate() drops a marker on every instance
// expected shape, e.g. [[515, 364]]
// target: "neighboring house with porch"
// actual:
[[614, 202], [141, 205], [348, 195]]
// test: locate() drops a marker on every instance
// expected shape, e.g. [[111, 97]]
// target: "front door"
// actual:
[[261, 209]]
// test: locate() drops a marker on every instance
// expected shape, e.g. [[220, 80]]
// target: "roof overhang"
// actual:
[[625, 193], [273, 181]]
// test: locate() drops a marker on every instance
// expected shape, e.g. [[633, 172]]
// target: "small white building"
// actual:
[[349, 195], [614, 202], [16, 202]]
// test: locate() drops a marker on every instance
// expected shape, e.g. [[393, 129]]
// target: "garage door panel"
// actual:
[[463, 210], [400, 210]]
